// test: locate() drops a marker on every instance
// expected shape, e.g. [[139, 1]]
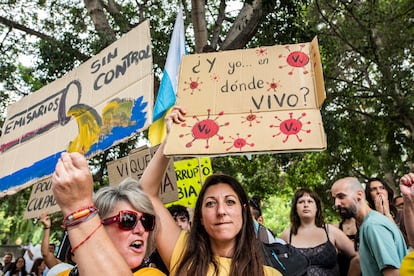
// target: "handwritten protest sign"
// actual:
[[103, 102], [134, 165], [191, 174], [255, 100], [41, 199]]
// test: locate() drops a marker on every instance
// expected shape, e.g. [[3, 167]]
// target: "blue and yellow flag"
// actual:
[[168, 87]]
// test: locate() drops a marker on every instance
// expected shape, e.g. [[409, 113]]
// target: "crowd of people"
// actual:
[[18, 267], [125, 229]]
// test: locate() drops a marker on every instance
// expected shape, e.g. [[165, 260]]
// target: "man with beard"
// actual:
[[381, 244], [7, 262]]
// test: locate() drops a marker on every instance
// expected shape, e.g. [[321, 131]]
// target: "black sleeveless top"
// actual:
[[343, 260], [323, 258]]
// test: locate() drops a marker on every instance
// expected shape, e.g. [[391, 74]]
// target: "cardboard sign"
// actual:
[[254, 100], [191, 174], [134, 165], [41, 200], [103, 102]]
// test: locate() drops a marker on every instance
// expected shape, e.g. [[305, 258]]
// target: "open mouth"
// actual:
[[137, 244]]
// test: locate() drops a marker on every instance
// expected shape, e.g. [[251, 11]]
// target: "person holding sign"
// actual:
[[91, 245], [222, 238]]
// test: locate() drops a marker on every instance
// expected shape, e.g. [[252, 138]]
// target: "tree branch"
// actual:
[[17, 26], [95, 9], [246, 24], [50, 39], [199, 23], [217, 25], [115, 10]]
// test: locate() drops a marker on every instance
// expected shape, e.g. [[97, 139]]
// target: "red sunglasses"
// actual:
[[127, 220]]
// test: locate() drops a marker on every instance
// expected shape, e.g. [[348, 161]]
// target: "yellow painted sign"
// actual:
[[191, 174]]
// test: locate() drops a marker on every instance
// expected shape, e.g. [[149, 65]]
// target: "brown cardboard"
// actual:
[[41, 199], [102, 102], [255, 100]]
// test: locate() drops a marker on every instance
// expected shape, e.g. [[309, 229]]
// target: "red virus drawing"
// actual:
[[296, 59], [273, 85], [239, 143], [261, 52], [215, 77], [204, 129], [193, 85], [291, 127], [251, 118]]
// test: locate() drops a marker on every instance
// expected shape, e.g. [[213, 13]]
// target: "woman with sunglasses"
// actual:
[[124, 211], [129, 219]]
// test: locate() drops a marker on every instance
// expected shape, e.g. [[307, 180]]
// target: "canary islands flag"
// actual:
[[168, 87]]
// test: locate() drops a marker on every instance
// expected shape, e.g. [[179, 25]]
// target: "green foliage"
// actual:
[[5, 225], [275, 212], [367, 56]]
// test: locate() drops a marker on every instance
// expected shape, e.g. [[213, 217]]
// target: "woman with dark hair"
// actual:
[[380, 196], [38, 267], [18, 268], [222, 238], [317, 240], [215, 227], [221, 241]]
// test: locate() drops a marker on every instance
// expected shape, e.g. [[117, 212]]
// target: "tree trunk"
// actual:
[[198, 18], [96, 12], [245, 26]]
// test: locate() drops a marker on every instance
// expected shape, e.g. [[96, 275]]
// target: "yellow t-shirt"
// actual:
[[149, 271], [146, 271], [224, 263], [407, 265]]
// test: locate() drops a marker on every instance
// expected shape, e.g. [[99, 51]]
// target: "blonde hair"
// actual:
[[128, 190]]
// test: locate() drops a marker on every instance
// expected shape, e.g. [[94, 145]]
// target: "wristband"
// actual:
[[81, 213], [79, 216]]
